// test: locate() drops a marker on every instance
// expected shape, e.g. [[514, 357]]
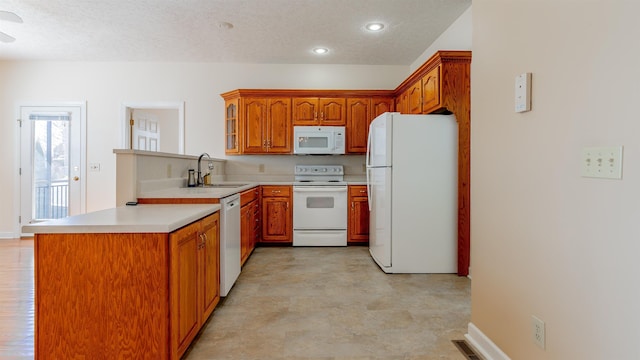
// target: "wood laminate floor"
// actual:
[[16, 299], [291, 303]]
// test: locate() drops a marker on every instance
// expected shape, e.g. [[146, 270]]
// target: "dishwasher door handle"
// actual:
[[232, 204]]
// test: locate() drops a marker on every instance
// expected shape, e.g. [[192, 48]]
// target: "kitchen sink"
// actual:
[[223, 185], [219, 186]]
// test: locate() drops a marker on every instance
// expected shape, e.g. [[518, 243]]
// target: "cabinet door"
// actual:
[[431, 90], [359, 222], [254, 112], [381, 106], [414, 99], [246, 231], [276, 219], [332, 111], [358, 120], [279, 135], [210, 264], [231, 125], [401, 103], [358, 228], [257, 227], [305, 111], [183, 301]]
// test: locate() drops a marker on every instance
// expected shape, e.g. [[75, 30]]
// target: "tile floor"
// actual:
[[334, 303]]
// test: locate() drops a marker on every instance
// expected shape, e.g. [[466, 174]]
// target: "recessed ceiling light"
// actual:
[[320, 50], [374, 26]]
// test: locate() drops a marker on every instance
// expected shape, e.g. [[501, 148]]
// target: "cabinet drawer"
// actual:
[[357, 190], [276, 191], [248, 196]]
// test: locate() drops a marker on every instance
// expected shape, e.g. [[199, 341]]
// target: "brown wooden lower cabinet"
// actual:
[[358, 225], [249, 222], [277, 226], [134, 296]]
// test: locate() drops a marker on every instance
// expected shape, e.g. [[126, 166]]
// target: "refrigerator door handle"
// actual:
[[367, 160], [368, 189]]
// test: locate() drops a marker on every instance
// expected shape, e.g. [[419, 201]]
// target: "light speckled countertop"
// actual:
[[196, 192], [126, 219], [215, 192]]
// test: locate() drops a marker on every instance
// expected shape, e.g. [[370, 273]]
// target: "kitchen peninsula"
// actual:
[[129, 282]]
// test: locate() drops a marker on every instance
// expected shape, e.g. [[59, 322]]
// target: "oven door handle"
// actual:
[[319, 189]]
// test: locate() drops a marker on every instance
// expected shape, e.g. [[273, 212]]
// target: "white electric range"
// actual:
[[319, 206]]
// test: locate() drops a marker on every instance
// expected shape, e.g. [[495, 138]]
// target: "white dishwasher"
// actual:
[[229, 242]]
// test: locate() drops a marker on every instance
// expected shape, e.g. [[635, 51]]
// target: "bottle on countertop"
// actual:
[[192, 178]]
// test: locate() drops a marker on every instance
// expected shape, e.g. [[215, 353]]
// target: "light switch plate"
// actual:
[[602, 162], [523, 92]]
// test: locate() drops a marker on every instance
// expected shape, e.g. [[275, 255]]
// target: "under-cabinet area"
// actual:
[[129, 282]]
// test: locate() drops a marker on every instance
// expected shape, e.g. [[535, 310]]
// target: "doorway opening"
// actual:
[[153, 126]]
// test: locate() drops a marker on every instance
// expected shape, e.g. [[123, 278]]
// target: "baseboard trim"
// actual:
[[483, 344], [8, 235]]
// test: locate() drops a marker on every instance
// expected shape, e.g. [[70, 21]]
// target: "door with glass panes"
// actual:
[[51, 172]]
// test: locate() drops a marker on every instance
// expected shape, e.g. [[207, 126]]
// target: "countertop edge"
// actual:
[[127, 219]]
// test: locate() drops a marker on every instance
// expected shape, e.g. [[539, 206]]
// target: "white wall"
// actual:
[[544, 240], [456, 37], [105, 86]]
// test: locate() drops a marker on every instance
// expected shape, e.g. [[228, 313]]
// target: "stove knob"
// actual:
[[324, 170]]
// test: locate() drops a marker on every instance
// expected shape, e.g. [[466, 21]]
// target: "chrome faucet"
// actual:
[[200, 181]]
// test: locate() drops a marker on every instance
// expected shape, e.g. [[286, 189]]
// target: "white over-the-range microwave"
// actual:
[[318, 140]]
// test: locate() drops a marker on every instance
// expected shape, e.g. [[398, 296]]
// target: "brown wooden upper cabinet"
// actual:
[[431, 90], [231, 127], [266, 125], [414, 98], [401, 103], [319, 111], [360, 113]]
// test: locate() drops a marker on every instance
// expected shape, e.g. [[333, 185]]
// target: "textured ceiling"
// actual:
[[264, 31]]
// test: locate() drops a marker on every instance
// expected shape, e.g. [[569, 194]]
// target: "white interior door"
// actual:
[[146, 132], [51, 166]]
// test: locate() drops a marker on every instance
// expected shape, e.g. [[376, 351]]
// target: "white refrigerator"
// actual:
[[412, 180]]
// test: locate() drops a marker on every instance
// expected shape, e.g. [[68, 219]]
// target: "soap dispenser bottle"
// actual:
[[192, 178]]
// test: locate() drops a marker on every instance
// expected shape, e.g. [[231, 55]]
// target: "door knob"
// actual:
[[75, 178]]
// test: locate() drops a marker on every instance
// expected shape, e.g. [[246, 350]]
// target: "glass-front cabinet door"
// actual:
[[231, 127]]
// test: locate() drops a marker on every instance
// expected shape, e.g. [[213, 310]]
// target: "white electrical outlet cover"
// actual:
[[602, 162], [537, 331]]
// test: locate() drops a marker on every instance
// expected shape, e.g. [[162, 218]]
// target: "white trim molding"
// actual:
[[483, 344], [83, 157], [8, 235]]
